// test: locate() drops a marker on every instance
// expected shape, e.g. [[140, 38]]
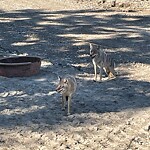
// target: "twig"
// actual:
[[129, 145]]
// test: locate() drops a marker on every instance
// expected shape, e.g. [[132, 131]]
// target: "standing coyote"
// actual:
[[66, 87], [102, 60]]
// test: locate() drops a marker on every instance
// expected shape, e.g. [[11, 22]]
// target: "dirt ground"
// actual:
[[111, 115]]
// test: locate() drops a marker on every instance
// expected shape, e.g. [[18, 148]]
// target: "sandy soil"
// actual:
[[111, 115]]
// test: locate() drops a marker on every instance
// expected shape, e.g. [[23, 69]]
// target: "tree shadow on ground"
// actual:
[[57, 33], [113, 96], [55, 36]]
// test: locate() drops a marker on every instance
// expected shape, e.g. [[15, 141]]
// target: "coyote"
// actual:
[[66, 87], [101, 59]]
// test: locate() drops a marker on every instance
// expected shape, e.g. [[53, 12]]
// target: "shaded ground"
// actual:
[[111, 115]]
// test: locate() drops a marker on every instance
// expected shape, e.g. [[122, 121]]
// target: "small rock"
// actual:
[[147, 128], [128, 123], [76, 122], [67, 147], [93, 128]]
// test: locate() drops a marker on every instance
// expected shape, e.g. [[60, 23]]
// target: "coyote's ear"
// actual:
[[59, 78], [91, 46]]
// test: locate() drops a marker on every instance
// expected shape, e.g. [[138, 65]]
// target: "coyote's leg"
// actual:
[[69, 104], [107, 70], [63, 102], [112, 72], [95, 71], [101, 71]]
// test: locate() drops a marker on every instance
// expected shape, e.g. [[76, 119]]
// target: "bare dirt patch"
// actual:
[[112, 115]]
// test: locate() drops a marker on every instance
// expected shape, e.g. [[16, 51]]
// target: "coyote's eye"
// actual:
[[91, 52], [65, 80]]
